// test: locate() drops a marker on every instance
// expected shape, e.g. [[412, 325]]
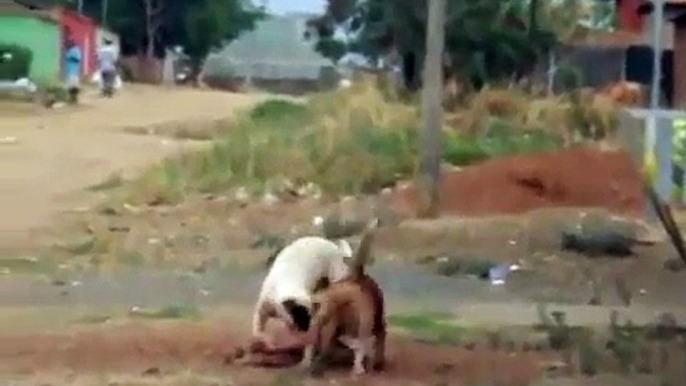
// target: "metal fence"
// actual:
[[645, 133]]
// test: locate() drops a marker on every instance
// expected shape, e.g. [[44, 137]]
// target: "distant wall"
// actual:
[[328, 79], [41, 37], [601, 66], [141, 69]]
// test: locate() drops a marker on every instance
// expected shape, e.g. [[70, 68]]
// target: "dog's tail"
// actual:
[[364, 250]]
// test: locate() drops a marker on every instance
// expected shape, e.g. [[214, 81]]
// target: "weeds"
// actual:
[[589, 354], [430, 327], [624, 343], [169, 312], [351, 141], [113, 181], [555, 325]]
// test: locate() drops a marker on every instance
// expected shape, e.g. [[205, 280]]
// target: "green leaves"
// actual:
[[198, 25], [486, 40]]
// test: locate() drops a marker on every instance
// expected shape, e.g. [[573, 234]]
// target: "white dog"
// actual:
[[296, 270]]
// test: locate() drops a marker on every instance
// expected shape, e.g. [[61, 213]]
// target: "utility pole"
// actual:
[[652, 121], [658, 21], [429, 172], [105, 5]]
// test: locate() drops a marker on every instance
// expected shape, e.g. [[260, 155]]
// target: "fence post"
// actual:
[[663, 154]]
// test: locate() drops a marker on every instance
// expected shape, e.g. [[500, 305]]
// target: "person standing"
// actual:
[[107, 65], [72, 69]]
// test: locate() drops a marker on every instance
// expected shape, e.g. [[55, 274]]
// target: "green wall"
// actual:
[[41, 37]]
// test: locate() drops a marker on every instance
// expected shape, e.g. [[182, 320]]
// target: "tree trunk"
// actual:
[[432, 110], [533, 19], [150, 49]]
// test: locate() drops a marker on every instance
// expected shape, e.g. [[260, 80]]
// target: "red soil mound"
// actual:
[[579, 177]]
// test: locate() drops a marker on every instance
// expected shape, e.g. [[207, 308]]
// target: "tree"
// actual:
[[486, 40], [149, 26], [207, 24], [331, 48]]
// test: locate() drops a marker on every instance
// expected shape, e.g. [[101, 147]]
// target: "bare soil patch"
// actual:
[[144, 350], [58, 153], [578, 177]]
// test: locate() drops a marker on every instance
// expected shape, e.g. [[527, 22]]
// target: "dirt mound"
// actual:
[[578, 177]]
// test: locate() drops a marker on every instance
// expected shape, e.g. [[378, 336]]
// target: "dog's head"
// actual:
[[299, 313]]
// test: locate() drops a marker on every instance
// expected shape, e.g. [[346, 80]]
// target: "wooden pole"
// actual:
[[429, 172]]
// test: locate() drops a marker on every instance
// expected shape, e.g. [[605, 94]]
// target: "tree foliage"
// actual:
[[486, 40], [149, 26]]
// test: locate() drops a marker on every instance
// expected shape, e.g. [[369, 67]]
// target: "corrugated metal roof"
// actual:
[[612, 39], [275, 49]]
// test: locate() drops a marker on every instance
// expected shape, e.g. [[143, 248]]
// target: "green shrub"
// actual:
[[346, 142], [15, 61], [499, 141]]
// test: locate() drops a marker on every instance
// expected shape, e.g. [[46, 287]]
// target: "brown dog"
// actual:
[[351, 311]]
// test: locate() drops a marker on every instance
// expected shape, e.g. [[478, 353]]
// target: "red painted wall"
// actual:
[[629, 19], [83, 31]]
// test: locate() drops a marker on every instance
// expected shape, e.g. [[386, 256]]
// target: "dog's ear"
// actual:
[[300, 315]]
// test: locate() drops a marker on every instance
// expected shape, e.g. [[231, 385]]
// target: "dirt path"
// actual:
[[59, 152]]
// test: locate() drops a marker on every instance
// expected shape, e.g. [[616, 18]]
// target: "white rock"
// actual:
[[242, 194], [270, 199]]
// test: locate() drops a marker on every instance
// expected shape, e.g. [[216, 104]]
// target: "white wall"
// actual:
[[667, 32]]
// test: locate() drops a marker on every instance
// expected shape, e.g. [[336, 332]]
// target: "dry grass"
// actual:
[[348, 141], [570, 117]]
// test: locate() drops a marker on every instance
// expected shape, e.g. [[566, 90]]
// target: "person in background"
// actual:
[[107, 65], [72, 69]]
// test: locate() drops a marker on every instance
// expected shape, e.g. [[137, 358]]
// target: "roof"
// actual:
[[25, 8], [647, 5], [612, 39], [275, 49], [31, 4]]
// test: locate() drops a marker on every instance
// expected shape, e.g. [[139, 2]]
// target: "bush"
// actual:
[[15, 62], [500, 140], [357, 140]]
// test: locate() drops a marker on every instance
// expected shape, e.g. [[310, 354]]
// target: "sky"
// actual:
[[285, 6]]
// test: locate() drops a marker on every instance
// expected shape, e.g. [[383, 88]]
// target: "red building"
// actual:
[[83, 31], [73, 25], [628, 15]]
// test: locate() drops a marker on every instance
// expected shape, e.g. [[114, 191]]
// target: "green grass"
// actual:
[[112, 181], [433, 327], [25, 265], [168, 312], [345, 144], [351, 141], [93, 319]]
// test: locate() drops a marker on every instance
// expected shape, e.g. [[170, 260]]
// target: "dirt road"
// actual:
[[48, 157]]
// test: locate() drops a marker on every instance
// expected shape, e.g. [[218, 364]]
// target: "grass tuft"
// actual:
[[112, 181], [168, 312], [432, 327], [351, 141]]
